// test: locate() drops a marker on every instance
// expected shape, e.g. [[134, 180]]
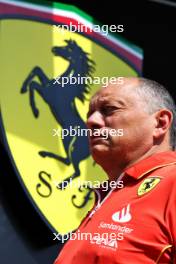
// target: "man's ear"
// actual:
[[163, 122]]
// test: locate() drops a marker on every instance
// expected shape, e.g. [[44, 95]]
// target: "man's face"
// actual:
[[119, 107]]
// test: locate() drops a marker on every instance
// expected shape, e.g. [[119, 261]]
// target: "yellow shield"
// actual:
[[33, 54]]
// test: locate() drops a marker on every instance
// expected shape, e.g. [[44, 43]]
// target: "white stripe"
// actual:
[[71, 14], [165, 2]]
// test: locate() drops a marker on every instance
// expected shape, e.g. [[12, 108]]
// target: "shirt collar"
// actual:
[[151, 163]]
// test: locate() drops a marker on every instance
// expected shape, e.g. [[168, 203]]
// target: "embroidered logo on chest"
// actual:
[[147, 185]]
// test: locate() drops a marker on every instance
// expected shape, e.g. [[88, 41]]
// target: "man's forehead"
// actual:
[[123, 93], [103, 98]]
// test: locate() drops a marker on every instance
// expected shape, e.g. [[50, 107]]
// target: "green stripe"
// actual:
[[75, 10]]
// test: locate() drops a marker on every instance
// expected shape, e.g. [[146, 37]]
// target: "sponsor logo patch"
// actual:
[[123, 215]]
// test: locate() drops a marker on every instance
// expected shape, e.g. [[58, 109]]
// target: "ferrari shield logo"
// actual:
[[147, 185], [37, 108]]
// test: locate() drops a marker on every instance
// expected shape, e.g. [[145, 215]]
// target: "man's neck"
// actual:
[[115, 168]]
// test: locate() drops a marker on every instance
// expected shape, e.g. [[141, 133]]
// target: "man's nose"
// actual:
[[95, 120]]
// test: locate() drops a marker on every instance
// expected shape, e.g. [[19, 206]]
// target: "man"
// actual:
[[141, 215]]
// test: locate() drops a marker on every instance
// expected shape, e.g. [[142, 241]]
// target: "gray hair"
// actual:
[[157, 97]]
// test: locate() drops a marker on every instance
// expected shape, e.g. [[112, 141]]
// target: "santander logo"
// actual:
[[123, 215]]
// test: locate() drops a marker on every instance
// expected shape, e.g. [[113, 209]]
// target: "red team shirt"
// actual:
[[141, 216]]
